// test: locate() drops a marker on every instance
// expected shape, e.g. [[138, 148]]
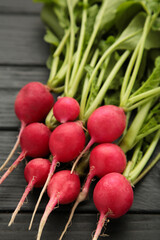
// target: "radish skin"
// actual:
[[63, 188], [104, 158], [34, 142], [113, 197], [105, 125], [35, 173], [32, 104], [66, 143], [66, 109]]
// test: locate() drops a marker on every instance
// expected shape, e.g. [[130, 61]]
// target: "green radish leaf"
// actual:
[[136, 25], [110, 14], [62, 15], [152, 82], [134, 28], [152, 6], [49, 61], [50, 58], [105, 44], [152, 40], [50, 37], [122, 16], [50, 19], [112, 98], [156, 24]]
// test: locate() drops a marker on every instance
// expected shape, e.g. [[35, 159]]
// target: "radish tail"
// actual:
[[100, 225], [51, 171], [50, 206], [91, 142], [81, 197], [13, 166], [15, 146], [27, 190]]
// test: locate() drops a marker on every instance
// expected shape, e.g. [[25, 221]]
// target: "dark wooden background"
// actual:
[[23, 54]]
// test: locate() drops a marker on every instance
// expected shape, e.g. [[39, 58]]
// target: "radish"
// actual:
[[63, 188], [113, 197], [66, 109], [66, 143], [105, 125], [34, 142], [35, 173], [32, 104], [104, 158]]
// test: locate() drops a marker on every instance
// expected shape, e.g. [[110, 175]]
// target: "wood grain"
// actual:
[[19, 7], [16, 77], [130, 227], [21, 40]]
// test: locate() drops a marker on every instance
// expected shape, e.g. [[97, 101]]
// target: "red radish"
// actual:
[[63, 188], [66, 109], [113, 197], [104, 158], [32, 104], [35, 173], [66, 142], [105, 125], [34, 142]]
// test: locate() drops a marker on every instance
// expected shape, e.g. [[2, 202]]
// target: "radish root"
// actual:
[[13, 166], [54, 162], [70, 217], [14, 147], [27, 190]]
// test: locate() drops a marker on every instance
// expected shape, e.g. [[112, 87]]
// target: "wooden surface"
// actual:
[[23, 54]]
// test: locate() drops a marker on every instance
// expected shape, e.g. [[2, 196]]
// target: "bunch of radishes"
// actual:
[[113, 194]]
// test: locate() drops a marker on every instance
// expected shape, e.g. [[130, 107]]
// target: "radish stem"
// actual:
[[139, 167], [151, 165], [91, 142], [129, 138]]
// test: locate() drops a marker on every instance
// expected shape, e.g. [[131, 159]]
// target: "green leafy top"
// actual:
[[153, 80]]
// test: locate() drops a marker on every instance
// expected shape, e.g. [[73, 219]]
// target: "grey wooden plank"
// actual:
[[7, 115], [21, 40], [19, 6], [146, 198], [128, 227], [16, 77]]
